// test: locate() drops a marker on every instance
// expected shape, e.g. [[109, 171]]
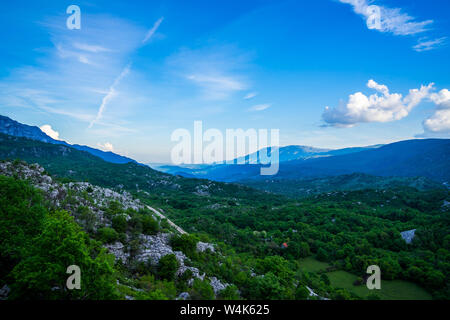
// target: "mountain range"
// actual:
[[17, 129], [428, 158], [419, 163]]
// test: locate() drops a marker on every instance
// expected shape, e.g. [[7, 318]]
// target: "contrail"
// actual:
[[111, 93], [112, 90], [152, 31]]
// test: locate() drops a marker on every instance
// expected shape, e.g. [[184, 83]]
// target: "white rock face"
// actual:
[[183, 296], [217, 285], [154, 248], [157, 246], [203, 246], [118, 250]]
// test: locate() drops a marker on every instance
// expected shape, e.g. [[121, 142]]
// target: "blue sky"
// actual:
[[136, 71]]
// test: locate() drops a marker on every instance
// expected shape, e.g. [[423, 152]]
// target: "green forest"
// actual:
[[268, 246]]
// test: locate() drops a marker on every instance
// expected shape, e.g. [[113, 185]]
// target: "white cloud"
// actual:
[[426, 45], [220, 84], [439, 122], [217, 71], [382, 107], [90, 48], [152, 31], [391, 20], [260, 107], [83, 59], [47, 129], [441, 99], [250, 95], [107, 146]]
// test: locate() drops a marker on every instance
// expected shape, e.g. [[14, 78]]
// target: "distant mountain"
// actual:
[[428, 158], [230, 172], [411, 158], [294, 152], [17, 129]]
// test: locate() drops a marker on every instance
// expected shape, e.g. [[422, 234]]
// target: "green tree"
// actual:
[[62, 243], [168, 266], [107, 235], [149, 225], [119, 223], [201, 290], [301, 293], [229, 293]]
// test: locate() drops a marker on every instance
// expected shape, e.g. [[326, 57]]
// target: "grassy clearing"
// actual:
[[312, 265], [390, 290]]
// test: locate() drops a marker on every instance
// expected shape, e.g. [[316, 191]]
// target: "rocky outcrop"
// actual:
[[203, 246], [118, 250], [217, 285], [70, 196], [184, 296], [157, 246]]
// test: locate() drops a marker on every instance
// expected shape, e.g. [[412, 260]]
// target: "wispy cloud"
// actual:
[[219, 72], [90, 47], [426, 45], [391, 20], [250, 95], [79, 76], [152, 31], [260, 107], [219, 85]]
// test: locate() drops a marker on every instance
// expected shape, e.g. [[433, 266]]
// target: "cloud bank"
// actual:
[[382, 106]]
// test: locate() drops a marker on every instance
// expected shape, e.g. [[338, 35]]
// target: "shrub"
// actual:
[[185, 243], [107, 235], [201, 290], [119, 223], [168, 266], [149, 225]]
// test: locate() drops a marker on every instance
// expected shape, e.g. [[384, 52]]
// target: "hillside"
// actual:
[[262, 238], [17, 129], [111, 222], [68, 164], [306, 187]]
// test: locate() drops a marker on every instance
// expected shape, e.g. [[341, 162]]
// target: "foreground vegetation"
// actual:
[[262, 238]]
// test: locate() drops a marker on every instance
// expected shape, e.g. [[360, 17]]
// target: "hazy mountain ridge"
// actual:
[[428, 158]]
